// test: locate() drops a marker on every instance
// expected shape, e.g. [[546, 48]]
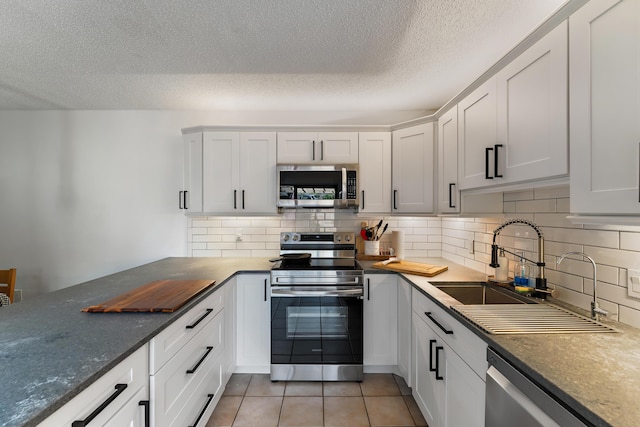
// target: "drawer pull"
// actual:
[[197, 365], [145, 403], [446, 331], [200, 319], [209, 399], [119, 389]]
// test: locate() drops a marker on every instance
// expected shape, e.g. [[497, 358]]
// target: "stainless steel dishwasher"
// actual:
[[514, 400]]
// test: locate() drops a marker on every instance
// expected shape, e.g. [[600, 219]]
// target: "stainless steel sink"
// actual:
[[479, 293]]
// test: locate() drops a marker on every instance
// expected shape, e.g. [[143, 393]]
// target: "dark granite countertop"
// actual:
[[50, 351]]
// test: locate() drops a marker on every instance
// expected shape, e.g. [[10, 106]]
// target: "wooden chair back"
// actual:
[[8, 282]]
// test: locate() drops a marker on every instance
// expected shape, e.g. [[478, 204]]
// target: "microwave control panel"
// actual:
[[352, 190]]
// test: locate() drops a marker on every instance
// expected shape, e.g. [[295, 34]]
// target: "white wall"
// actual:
[[88, 193]]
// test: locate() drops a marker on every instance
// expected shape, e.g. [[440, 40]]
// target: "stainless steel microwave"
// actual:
[[317, 186]]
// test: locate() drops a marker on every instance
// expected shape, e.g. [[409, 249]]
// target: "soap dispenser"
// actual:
[[521, 272], [502, 272]]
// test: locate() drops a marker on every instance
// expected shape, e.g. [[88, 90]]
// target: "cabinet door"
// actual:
[[477, 132], [220, 172], [380, 320], [404, 331], [412, 169], [532, 110], [448, 194], [375, 172], [257, 167], [427, 391], [604, 61], [254, 313], [465, 392], [297, 147], [337, 147], [191, 199]]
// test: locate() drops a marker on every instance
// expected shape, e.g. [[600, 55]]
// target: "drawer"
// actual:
[[173, 386], [470, 347], [133, 371], [167, 343]]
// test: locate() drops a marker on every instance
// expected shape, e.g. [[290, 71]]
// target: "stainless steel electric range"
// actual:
[[316, 308]]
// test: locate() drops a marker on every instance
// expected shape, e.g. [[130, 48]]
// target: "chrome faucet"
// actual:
[[595, 309], [541, 281]]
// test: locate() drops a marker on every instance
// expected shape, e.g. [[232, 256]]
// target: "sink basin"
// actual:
[[479, 293]]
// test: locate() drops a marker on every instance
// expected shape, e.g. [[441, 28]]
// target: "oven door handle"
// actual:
[[323, 281], [315, 292]]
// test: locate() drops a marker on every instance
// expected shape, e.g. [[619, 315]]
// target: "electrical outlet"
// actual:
[[633, 283], [17, 295], [238, 234]]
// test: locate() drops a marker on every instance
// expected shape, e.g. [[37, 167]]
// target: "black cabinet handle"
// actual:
[[180, 199], [200, 319], [206, 405], [119, 389], [235, 196], [431, 367], [197, 365], [362, 199], [451, 185], [495, 161], [395, 192], [486, 163], [184, 203], [446, 331], [242, 199], [438, 376], [265, 289], [313, 150], [321, 149], [145, 403], [368, 289]]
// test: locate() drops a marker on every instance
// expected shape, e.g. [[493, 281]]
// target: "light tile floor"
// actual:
[[379, 400]]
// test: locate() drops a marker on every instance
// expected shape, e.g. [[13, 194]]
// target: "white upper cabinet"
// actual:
[[532, 111], [412, 169], [477, 137], [448, 194], [190, 197], [375, 172], [513, 128], [605, 107], [239, 172], [318, 147]]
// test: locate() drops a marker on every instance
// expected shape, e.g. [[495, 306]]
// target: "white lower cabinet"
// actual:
[[447, 384], [253, 350], [187, 378], [124, 390], [404, 330], [380, 322]]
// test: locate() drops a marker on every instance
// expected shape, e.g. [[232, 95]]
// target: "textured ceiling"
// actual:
[[349, 55]]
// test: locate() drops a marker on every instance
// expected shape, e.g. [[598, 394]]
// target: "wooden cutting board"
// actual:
[[164, 296], [409, 267]]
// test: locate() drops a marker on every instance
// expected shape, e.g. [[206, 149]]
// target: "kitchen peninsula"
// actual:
[[51, 351]]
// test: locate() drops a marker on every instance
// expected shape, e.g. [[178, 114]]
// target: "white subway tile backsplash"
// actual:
[[615, 248]]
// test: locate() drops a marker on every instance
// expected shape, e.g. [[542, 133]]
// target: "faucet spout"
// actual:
[[541, 281], [595, 309]]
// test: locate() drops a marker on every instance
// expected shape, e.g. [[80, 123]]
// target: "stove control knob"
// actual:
[[338, 238], [285, 237], [296, 237], [347, 238]]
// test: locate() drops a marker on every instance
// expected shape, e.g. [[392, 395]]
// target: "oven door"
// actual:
[[316, 325]]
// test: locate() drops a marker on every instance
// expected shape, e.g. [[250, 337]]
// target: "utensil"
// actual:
[[383, 230]]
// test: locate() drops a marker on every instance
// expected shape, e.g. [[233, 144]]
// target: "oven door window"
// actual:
[[312, 330]]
